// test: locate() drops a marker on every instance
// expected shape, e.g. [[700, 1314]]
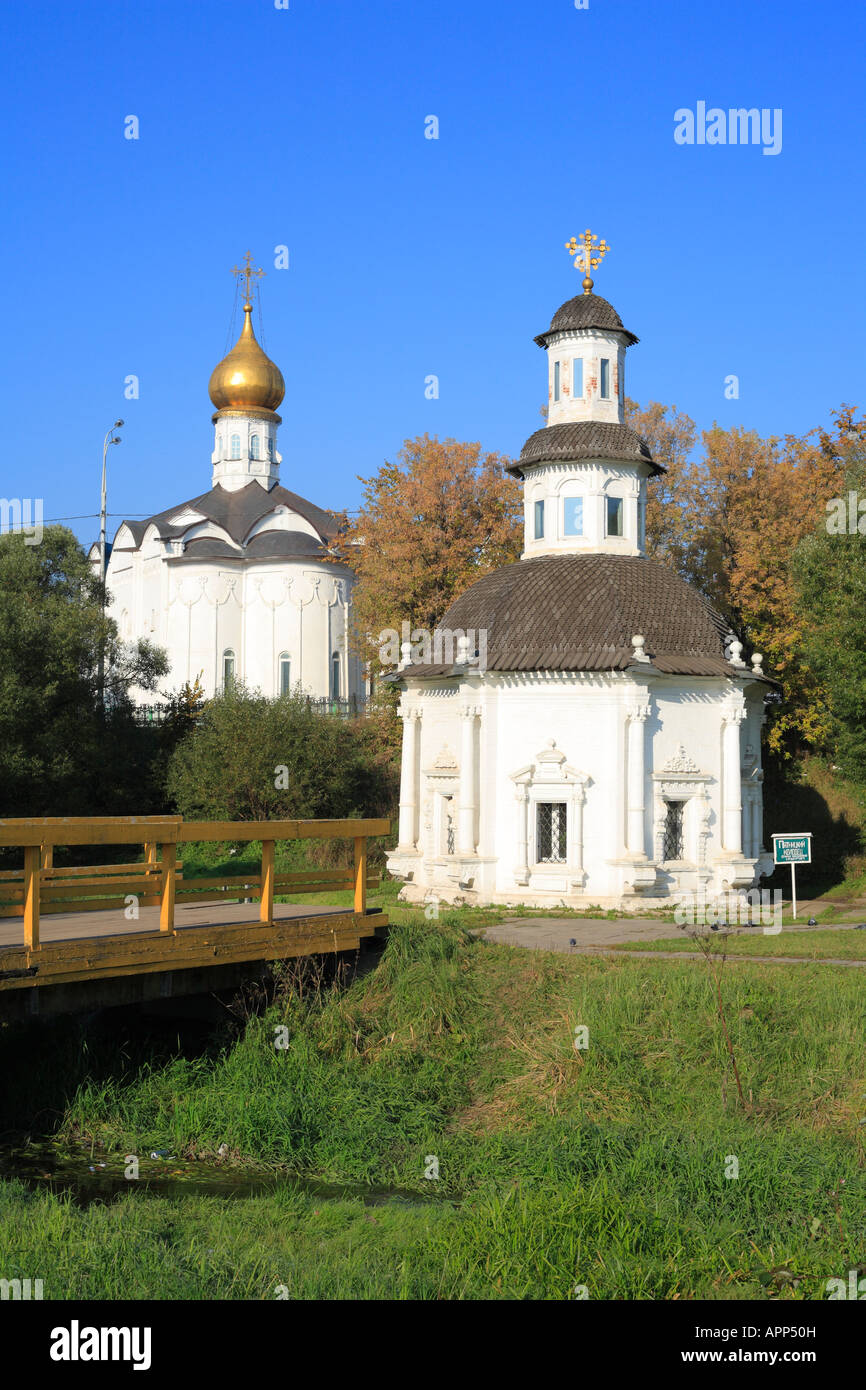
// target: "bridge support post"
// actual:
[[167, 887], [266, 906], [361, 874], [32, 868]]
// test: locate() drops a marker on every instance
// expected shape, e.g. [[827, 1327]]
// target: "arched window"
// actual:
[[228, 669], [335, 676], [270, 448], [572, 516], [254, 446], [235, 446], [285, 673]]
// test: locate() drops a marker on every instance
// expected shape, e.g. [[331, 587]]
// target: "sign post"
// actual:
[[793, 850]]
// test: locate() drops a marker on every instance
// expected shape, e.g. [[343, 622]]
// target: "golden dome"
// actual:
[[247, 379]]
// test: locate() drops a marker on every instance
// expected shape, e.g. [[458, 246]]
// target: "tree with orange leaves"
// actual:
[[670, 518], [431, 523]]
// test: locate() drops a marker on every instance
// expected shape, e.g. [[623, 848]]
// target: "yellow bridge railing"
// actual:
[[40, 888]]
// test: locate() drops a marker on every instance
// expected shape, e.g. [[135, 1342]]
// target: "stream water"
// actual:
[[93, 1176]]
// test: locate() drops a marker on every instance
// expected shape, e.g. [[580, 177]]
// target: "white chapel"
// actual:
[[239, 583], [597, 739]]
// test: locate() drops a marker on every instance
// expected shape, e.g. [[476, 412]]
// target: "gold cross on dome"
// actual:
[[247, 271], [589, 256]]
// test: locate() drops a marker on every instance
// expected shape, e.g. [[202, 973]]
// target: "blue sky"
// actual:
[[409, 257]]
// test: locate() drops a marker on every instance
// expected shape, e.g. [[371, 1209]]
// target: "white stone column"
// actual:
[[409, 780], [521, 848], [636, 779], [732, 719], [467, 806], [578, 797]]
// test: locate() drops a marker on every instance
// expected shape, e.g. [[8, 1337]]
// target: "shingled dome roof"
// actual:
[[585, 311], [584, 439], [580, 612]]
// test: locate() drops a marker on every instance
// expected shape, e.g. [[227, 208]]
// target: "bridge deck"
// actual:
[[73, 926], [103, 945]]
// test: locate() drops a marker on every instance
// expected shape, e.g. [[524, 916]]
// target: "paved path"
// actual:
[[594, 936]]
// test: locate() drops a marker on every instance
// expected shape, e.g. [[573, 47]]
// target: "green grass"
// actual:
[[812, 945], [604, 1167]]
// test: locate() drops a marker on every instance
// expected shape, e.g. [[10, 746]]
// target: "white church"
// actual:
[[238, 583], [600, 740]]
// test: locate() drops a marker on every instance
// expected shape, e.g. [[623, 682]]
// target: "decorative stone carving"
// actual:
[[680, 762]]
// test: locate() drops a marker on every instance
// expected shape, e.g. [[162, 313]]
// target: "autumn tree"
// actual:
[[670, 515], [431, 523], [729, 517]]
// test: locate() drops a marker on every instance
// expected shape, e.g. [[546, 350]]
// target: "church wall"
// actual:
[[592, 481], [258, 611], [563, 739], [590, 346]]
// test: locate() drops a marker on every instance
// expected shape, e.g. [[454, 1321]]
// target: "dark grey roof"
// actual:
[[267, 545], [236, 513], [580, 612], [586, 311], [584, 439]]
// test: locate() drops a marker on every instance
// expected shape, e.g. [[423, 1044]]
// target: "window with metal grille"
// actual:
[[550, 832], [672, 846]]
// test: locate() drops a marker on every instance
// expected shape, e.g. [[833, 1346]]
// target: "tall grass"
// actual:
[[609, 1167]]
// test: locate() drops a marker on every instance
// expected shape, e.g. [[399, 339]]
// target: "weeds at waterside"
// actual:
[[622, 1167]]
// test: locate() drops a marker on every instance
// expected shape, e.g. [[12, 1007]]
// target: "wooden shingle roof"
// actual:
[[580, 612]]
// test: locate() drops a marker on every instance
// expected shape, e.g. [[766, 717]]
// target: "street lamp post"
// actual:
[[110, 438]]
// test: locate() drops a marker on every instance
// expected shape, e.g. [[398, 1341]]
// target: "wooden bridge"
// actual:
[[66, 926]]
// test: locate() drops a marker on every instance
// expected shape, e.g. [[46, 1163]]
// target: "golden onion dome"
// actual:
[[246, 379]]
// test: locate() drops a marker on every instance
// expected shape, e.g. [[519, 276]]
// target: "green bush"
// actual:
[[252, 758]]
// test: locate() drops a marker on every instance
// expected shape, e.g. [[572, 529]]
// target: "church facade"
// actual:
[[602, 743], [238, 583]]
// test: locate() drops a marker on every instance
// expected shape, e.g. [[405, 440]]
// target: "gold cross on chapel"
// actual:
[[591, 255], [247, 271]]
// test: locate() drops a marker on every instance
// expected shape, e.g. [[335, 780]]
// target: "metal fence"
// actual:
[[354, 707]]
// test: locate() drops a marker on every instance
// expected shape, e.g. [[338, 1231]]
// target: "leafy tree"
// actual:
[[60, 753], [829, 576], [670, 515], [431, 523]]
